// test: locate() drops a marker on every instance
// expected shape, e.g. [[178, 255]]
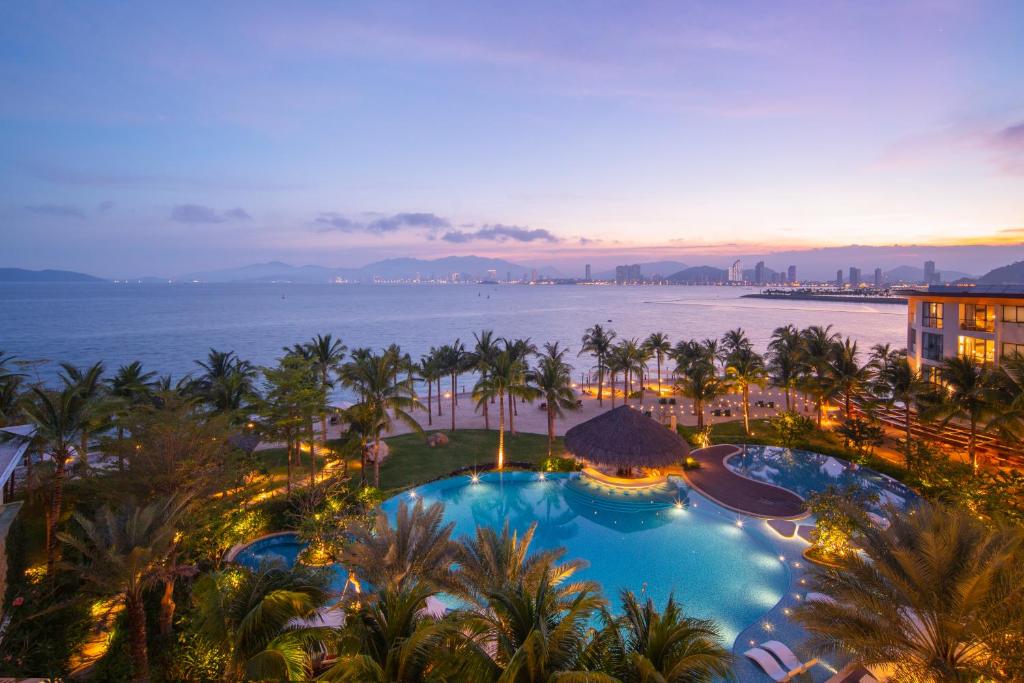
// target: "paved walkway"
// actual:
[[716, 481]]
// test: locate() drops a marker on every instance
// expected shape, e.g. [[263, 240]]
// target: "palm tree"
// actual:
[[484, 352], [122, 554], [897, 380], [506, 378], [327, 354], [746, 368], [227, 381], [417, 548], [818, 349], [130, 387], [520, 350], [59, 419], [647, 645], [658, 344], [699, 383], [535, 632], [598, 342], [428, 372], [383, 396], [846, 374], [392, 639], [936, 596], [784, 354], [552, 379], [970, 391], [631, 362], [734, 341], [88, 382], [259, 619], [453, 362], [490, 561]]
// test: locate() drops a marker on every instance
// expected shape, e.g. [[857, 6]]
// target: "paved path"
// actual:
[[718, 482]]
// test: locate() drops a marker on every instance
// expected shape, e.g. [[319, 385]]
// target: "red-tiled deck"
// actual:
[[735, 492]]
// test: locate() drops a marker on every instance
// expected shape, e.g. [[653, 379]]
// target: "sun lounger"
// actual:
[[786, 656], [768, 664]]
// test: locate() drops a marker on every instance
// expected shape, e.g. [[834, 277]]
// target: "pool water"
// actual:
[[283, 548], [804, 473], [721, 565]]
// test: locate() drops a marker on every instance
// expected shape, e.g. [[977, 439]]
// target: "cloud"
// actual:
[[500, 233], [59, 175], [1000, 146], [335, 222], [1008, 146], [56, 210], [197, 213]]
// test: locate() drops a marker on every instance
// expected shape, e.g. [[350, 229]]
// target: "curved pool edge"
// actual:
[[237, 548]]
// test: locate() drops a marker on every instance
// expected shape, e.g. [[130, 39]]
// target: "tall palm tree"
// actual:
[[485, 350], [647, 645], [429, 373], [387, 398], [735, 341], [659, 345], [260, 620], [936, 596], [699, 383], [327, 354], [631, 361], [846, 374], [745, 368], [392, 639], [59, 419], [506, 378], [130, 387], [417, 548], [520, 350], [89, 384], [784, 354], [970, 391], [818, 349], [598, 342], [227, 381], [454, 361], [122, 554], [552, 379], [897, 380]]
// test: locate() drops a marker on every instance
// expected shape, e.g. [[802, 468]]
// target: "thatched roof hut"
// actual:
[[624, 438]]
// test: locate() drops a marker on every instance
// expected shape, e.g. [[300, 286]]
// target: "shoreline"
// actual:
[[807, 296]]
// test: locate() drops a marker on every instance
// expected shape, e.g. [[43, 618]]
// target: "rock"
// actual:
[[437, 440]]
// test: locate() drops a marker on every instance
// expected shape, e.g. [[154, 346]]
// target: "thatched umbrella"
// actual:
[[624, 438]]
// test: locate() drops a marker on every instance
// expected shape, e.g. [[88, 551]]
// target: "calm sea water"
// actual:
[[167, 327]]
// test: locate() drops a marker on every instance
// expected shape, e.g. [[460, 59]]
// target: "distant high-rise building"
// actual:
[[930, 276], [508, 276], [455, 277], [736, 271], [533, 275], [878, 277], [759, 273], [492, 274], [588, 273], [791, 273], [627, 275], [854, 276], [839, 278]]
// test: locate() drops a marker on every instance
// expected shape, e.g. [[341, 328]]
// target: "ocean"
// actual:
[[169, 326]]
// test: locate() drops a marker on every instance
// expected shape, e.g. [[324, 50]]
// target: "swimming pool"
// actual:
[[804, 473], [285, 548], [721, 565]]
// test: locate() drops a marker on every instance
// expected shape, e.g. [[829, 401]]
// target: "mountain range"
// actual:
[[23, 275]]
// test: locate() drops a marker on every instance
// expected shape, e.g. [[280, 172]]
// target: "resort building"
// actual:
[[984, 322]]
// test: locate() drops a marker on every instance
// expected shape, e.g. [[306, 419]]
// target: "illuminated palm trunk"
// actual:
[[501, 431]]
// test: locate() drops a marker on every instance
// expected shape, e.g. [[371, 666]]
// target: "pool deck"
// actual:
[[716, 481]]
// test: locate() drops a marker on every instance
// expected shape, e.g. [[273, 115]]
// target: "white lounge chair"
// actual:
[[768, 664], [786, 656]]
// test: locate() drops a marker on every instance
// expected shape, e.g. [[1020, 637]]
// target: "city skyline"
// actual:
[[181, 138]]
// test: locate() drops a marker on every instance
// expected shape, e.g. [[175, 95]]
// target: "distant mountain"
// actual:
[[700, 274], [22, 275], [912, 274], [1012, 274], [388, 269], [649, 269]]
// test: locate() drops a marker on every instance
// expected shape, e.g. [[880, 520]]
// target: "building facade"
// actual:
[[985, 323], [791, 274]]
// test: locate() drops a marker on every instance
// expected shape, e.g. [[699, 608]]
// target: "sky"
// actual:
[[158, 138]]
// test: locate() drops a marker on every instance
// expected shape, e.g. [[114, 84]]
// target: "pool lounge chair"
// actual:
[[768, 664], [786, 656], [763, 656]]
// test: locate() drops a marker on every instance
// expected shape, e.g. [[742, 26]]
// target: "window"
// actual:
[[911, 340], [931, 346], [930, 374], [1013, 314], [978, 317], [931, 314], [1010, 350], [981, 350]]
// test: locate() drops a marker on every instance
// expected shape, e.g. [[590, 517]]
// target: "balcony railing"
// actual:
[[978, 325]]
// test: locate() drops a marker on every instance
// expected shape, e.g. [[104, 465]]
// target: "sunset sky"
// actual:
[[161, 138]]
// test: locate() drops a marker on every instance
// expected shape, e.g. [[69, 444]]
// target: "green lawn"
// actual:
[[412, 462]]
